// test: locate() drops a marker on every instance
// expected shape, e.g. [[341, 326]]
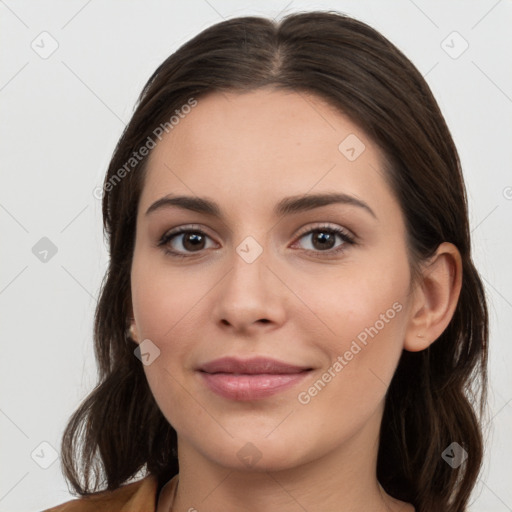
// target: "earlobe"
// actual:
[[131, 332], [436, 298]]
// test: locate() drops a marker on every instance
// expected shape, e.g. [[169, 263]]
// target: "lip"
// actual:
[[250, 379]]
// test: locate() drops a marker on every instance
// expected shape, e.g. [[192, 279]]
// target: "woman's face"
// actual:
[[267, 275]]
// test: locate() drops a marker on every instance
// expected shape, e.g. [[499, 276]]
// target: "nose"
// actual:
[[250, 296]]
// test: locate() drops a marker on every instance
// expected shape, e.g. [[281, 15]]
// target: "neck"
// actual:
[[343, 479]]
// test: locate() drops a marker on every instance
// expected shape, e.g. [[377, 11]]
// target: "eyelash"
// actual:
[[344, 235]]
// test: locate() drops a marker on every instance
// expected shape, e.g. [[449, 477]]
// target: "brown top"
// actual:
[[140, 496]]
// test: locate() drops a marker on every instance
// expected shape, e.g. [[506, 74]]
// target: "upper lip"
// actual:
[[255, 365]]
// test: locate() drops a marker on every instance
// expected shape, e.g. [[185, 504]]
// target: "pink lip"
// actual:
[[250, 379]]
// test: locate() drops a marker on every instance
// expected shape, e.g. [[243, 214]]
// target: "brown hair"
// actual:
[[437, 395]]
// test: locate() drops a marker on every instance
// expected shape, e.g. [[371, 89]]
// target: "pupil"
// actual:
[[324, 238], [194, 239]]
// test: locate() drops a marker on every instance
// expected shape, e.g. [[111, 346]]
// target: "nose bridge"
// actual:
[[247, 293], [249, 274]]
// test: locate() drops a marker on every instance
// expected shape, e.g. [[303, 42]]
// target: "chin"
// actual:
[[257, 454]]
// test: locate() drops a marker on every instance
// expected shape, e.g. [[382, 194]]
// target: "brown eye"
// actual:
[[193, 241], [182, 241], [323, 239]]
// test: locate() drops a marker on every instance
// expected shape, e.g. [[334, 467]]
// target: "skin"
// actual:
[[293, 302]]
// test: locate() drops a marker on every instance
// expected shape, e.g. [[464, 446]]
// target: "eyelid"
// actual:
[[186, 227], [306, 229], [325, 225]]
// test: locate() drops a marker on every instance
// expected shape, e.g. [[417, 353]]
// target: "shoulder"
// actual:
[[138, 496]]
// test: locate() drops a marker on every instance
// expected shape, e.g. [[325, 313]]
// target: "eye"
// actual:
[[323, 239], [191, 240]]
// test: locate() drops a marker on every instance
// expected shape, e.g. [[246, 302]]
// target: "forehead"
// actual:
[[261, 145]]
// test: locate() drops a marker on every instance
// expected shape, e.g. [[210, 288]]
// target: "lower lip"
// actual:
[[251, 387]]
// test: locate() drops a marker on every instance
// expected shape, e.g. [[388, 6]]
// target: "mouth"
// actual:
[[251, 379]]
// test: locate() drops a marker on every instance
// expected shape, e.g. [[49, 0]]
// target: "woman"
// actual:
[[291, 310]]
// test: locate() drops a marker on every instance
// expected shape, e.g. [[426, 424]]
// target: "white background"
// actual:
[[61, 118]]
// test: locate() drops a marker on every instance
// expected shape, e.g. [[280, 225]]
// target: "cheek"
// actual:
[[163, 297], [167, 309], [368, 323], [362, 314]]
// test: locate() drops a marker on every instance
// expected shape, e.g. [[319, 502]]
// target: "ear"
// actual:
[[131, 329], [435, 298]]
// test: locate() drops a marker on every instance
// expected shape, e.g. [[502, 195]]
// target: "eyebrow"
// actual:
[[287, 206]]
